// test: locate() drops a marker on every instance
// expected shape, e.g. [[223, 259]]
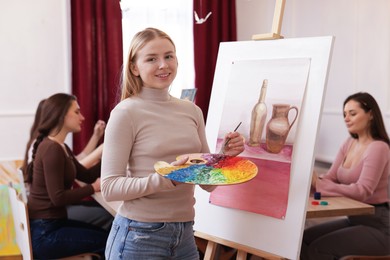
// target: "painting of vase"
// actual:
[[279, 126], [269, 110]]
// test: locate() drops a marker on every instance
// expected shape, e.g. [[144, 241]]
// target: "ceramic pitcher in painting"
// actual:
[[278, 127]]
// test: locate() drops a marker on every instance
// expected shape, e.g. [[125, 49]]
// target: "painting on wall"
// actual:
[[8, 173], [266, 97], [188, 94]]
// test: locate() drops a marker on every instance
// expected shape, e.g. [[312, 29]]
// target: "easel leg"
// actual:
[[276, 23], [241, 255], [210, 250]]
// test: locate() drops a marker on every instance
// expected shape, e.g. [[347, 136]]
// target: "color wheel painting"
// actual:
[[209, 169]]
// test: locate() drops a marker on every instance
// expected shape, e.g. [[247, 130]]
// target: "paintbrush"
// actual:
[[228, 139]]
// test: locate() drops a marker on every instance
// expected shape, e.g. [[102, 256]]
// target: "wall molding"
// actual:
[[333, 112], [17, 113]]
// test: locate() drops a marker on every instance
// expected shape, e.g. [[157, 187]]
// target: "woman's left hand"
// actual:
[[234, 144]]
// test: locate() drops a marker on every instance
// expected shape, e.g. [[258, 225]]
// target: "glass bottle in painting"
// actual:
[[259, 114]]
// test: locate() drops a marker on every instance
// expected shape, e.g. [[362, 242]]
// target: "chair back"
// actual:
[[21, 223], [22, 228], [23, 191]]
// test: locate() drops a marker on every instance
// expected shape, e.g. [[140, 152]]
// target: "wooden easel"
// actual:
[[242, 250], [212, 241], [276, 24]]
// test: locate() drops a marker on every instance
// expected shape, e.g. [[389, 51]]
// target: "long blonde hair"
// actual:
[[131, 84]]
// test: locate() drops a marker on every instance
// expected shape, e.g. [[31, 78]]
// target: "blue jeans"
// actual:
[[57, 238], [134, 240]]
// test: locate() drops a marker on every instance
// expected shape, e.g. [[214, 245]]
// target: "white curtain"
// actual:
[[174, 17]]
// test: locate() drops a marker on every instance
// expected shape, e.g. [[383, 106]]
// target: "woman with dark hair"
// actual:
[[88, 157], [33, 136], [50, 175], [361, 172], [87, 210], [369, 105]]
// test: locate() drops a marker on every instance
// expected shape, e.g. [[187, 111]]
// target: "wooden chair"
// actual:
[[22, 228], [23, 191]]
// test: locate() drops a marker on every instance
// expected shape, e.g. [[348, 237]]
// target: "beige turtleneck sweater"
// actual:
[[142, 130]]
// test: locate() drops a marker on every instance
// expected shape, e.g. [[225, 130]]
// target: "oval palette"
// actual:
[[209, 169]]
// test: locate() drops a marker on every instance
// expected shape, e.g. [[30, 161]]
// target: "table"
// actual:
[[338, 206], [111, 206]]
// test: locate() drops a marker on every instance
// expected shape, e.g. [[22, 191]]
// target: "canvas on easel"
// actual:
[[260, 231], [269, 126]]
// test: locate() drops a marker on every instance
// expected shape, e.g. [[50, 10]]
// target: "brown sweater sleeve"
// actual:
[[83, 174]]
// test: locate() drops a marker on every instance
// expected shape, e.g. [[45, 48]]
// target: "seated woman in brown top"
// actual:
[[51, 175], [87, 210]]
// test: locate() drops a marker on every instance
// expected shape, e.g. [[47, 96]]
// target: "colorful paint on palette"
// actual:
[[209, 169]]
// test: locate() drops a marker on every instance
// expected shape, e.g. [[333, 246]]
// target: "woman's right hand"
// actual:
[[99, 128], [315, 178], [96, 185]]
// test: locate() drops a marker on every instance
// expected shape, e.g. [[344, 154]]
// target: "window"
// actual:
[[175, 17]]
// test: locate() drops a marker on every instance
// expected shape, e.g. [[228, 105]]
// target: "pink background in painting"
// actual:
[[267, 193]]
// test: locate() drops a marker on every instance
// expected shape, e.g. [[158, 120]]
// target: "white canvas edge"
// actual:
[[280, 237]]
